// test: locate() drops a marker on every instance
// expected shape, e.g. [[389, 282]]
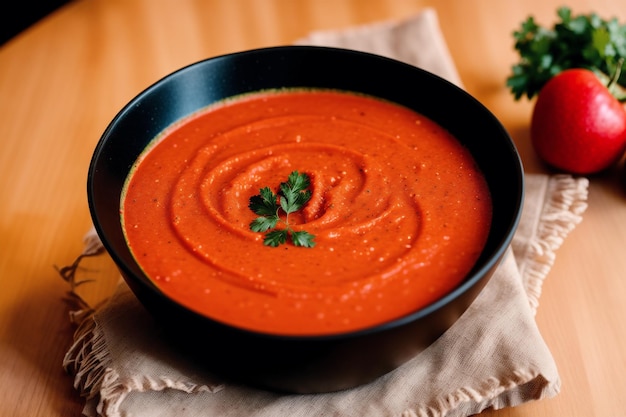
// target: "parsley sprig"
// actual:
[[582, 41], [292, 196]]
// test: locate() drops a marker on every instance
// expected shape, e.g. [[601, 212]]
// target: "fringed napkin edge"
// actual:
[[560, 215]]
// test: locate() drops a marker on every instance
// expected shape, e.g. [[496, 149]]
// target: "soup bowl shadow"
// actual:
[[303, 364]]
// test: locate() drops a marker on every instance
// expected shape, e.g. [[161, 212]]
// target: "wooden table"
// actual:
[[64, 79]]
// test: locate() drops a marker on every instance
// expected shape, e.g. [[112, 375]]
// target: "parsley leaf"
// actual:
[[275, 238], [582, 41], [293, 195], [302, 238]]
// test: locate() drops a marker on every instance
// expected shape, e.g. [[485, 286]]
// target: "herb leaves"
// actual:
[[582, 41], [292, 196]]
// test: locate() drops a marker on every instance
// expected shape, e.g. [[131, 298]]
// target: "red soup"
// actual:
[[398, 210]]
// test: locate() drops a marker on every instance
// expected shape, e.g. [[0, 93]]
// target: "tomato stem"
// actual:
[[611, 81], [617, 73]]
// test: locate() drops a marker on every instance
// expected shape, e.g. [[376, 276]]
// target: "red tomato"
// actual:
[[577, 125]]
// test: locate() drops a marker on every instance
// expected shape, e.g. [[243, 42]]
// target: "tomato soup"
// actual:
[[398, 208]]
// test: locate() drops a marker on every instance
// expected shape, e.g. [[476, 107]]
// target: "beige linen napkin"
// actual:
[[493, 357]]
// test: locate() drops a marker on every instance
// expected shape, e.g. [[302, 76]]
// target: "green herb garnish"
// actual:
[[583, 41], [293, 195]]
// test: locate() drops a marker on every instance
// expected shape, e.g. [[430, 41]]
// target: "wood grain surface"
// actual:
[[65, 78]]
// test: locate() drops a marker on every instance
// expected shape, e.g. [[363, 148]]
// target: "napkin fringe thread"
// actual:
[[114, 390], [88, 358], [522, 386], [561, 213]]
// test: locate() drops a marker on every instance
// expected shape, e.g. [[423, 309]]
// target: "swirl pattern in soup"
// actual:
[[399, 211]]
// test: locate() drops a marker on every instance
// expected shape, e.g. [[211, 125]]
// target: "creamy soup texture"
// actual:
[[399, 211]]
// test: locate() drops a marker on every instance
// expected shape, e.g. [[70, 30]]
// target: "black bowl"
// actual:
[[320, 363]]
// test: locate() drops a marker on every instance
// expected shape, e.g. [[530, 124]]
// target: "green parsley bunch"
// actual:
[[293, 195], [582, 41]]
